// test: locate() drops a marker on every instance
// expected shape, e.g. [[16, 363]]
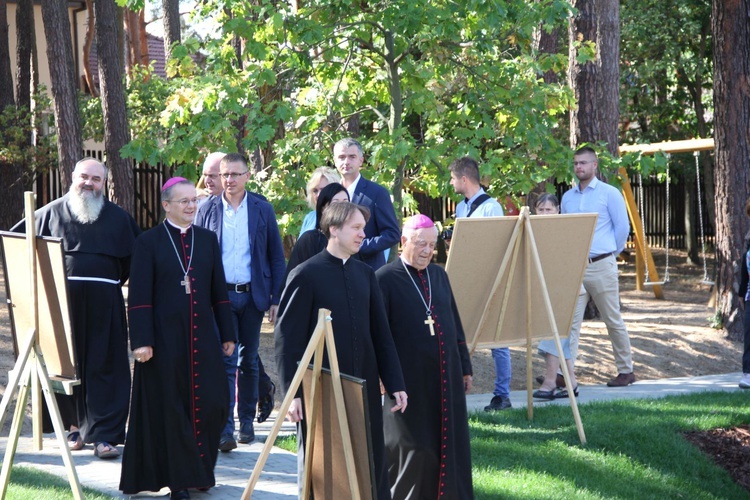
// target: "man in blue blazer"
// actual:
[[382, 230], [254, 266]]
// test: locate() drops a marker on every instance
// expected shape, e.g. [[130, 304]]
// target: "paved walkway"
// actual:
[[279, 477]]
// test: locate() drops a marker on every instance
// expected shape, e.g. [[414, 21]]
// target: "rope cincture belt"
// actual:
[[599, 257], [93, 278]]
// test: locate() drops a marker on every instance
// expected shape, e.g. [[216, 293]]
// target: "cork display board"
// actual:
[[497, 285], [55, 331]]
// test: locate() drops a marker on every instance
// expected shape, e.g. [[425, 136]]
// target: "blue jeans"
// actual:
[[501, 357], [247, 320]]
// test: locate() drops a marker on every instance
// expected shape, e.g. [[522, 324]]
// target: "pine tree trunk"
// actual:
[[63, 81], [6, 75], [171, 9], [113, 105], [608, 83], [582, 78], [24, 47], [731, 33], [13, 175], [87, 41]]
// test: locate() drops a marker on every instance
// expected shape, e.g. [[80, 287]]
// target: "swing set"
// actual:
[[647, 275]]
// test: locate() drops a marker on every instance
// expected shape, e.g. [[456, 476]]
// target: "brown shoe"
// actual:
[[622, 380]]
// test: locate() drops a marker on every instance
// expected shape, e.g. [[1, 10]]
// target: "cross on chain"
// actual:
[[429, 321], [186, 283]]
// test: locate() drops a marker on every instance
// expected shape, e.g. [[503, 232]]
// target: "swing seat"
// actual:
[[652, 283], [707, 282]]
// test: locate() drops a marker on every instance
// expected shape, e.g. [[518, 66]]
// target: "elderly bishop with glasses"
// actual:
[[180, 394]]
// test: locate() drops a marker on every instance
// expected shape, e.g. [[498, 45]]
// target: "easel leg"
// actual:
[[15, 428], [529, 374], [313, 416], [296, 382], [36, 407], [15, 375], [569, 387], [54, 412], [553, 326]]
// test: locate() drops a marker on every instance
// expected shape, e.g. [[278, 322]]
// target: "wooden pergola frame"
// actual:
[[641, 245]]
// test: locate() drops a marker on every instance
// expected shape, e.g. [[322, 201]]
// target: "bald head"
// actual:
[[211, 173]]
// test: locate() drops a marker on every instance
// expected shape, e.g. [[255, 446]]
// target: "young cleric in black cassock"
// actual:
[[427, 447], [363, 341], [180, 396], [97, 263]]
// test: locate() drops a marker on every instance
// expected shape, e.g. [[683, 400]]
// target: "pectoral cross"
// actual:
[[429, 321], [186, 283]]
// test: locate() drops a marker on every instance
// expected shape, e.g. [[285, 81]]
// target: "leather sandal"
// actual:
[[105, 451], [75, 441], [563, 393], [540, 394]]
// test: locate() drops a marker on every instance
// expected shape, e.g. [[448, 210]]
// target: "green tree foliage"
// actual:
[[426, 81], [666, 69], [16, 125]]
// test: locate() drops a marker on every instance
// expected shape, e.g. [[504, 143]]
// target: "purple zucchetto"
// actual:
[[418, 221], [171, 182]]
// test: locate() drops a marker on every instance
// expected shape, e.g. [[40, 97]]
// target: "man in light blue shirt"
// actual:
[[601, 278], [254, 267], [477, 203]]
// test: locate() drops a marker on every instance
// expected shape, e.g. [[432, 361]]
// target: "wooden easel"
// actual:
[[522, 237], [321, 342], [30, 370]]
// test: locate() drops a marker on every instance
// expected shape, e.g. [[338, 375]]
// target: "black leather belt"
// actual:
[[238, 287], [599, 257]]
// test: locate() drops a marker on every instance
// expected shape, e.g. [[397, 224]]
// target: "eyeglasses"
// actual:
[[233, 175], [582, 162], [184, 202]]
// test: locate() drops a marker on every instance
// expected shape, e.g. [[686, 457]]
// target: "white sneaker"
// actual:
[[745, 381]]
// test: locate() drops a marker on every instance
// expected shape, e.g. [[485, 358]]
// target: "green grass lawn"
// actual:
[[31, 484], [635, 450]]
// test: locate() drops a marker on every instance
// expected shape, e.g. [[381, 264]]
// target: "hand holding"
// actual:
[[401, 401], [143, 354], [294, 413]]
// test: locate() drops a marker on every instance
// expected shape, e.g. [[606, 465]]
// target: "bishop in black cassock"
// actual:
[[427, 448], [334, 280], [180, 392], [97, 237]]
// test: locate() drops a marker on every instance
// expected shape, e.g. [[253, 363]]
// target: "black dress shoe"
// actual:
[[246, 434], [498, 403], [179, 494], [265, 404], [227, 442]]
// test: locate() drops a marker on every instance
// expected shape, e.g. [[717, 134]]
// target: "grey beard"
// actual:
[[85, 205]]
